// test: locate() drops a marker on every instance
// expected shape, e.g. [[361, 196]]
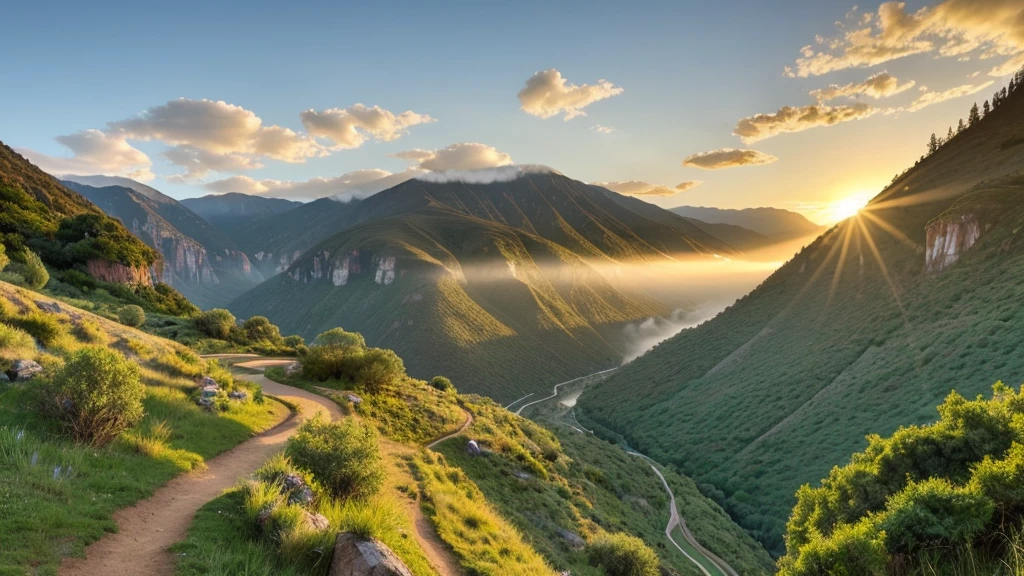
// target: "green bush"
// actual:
[[342, 456], [89, 332], [294, 341], [259, 329], [216, 323], [45, 328], [443, 384], [341, 338], [378, 368], [325, 363], [131, 315], [14, 341], [623, 555], [95, 396], [4, 260], [34, 271], [857, 550]]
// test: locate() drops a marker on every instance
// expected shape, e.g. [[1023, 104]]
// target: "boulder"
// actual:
[[293, 481], [205, 402], [473, 449], [51, 307], [303, 496], [23, 370], [353, 398], [207, 381], [238, 395], [355, 556], [315, 522], [292, 369]]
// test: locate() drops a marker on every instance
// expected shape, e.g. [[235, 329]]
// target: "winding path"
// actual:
[[465, 425], [148, 528], [554, 391]]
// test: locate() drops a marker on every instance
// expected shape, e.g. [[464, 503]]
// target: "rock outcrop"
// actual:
[[354, 556], [117, 273], [948, 239], [23, 370]]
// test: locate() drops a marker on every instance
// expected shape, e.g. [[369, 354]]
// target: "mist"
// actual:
[[643, 336]]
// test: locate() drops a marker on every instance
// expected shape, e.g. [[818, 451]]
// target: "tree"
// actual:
[[131, 315], [294, 341], [342, 456], [260, 329], [933, 144], [96, 395], [974, 116], [341, 338], [216, 323], [624, 555], [960, 127], [443, 384], [34, 271], [986, 109], [949, 135]]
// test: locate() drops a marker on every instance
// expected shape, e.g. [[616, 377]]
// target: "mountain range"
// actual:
[[863, 331]]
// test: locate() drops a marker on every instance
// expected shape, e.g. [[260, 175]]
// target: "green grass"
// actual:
[[52, 515]]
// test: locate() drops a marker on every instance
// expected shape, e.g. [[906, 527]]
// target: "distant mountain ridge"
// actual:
[[771, 222], [199, 260], [232, 210]]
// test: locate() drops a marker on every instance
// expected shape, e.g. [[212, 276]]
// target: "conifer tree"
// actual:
[[985, 109], [974, 116], [961, 126], [933, 144]]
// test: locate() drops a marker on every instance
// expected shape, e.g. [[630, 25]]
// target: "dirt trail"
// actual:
[[467, 424], [146, 530]]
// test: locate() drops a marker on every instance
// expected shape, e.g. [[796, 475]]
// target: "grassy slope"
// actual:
[[454, 307], [576, 483], [51, 517], [786, 383]]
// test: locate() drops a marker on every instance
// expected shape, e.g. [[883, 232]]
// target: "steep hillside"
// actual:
[[68, 232], [774, 223], [864, 330], [199, 260], [231, 211], [498, 310]]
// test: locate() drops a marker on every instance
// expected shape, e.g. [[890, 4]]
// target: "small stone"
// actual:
[[302, 496], [472, 448], [353, 398], [317, 522], [522, 475], [354, 556], [238, 395], [293, 481], [23, 370]]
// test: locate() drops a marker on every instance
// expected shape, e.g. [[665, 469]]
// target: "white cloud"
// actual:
[[881, 85], [728, 158], [951, 28], [929, 98], [486, 175], [684, 186], [637, 188], [351, 127], [548, 94], [463, 156], [600, 129], [798, 119], [199, 162], [95, 152], [356, 184]]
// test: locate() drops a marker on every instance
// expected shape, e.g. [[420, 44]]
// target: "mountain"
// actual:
[[68, 232], [505, 286], [228, 212], [774, 223], [199, 260], [864, 330]]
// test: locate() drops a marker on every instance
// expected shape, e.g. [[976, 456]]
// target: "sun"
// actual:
[[849, 206]]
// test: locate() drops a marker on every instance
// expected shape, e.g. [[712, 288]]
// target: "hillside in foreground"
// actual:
[[865, 330]]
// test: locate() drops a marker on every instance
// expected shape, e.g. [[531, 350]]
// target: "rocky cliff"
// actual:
[[948, 239], [119, 273]]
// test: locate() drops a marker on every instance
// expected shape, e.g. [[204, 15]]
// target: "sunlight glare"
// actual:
[[849, 206]]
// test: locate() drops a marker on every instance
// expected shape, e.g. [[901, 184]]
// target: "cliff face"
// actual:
[[948, 239], [340, 268], [115, 272]]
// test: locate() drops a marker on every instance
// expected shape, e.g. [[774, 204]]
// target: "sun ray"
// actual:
[[840, 264], [895, 232]]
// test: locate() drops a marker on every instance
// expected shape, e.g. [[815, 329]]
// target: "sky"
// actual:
[[813, 103]]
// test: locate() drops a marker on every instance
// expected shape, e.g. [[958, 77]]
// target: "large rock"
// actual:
[[355, 556], [23, 370]]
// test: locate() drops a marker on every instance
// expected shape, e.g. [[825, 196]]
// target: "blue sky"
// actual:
[[689, 71]]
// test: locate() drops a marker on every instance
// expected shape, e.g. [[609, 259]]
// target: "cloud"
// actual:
[[728, 158], [463, 156], [486, 175], [199, 162], [951, 28], [637, 188], [548, 94], [881, 85], [1006, 68], [798, 119], [929, 98], [356, 184], [95, 152], [602, 129], [351, 127], [684, 186]]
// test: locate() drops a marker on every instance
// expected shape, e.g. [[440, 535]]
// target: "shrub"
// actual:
[[34, 271], [443, 384], [15, 342], [131, 315], [623, 555], [379, 368], [259, 329], [324, 363], [294, 341], [89, 332], [45, 328], [4, 260], [341, 338], [342, 456], [95, 396], [216, 323]]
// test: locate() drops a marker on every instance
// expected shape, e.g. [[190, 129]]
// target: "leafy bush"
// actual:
[[370, 370], [15, 342], [443, 384], [259, 329], [45, 328], [89, 332], [294, 341], [34, 271], [95, 396], [131, 315], [378, 368], [216, 323], [623, 555], [4, 260], [324, 363], [342, 456], [341, 338]]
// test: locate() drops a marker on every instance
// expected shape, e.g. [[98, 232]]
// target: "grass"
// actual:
[[60, 496]]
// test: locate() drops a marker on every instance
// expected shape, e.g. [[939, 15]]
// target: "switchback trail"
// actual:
[[554, 391], [467, 424], [148, 528]]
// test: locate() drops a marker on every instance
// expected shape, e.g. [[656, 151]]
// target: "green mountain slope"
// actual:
[[68, 232], [864, 330], [231, 211], [199, 260]]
